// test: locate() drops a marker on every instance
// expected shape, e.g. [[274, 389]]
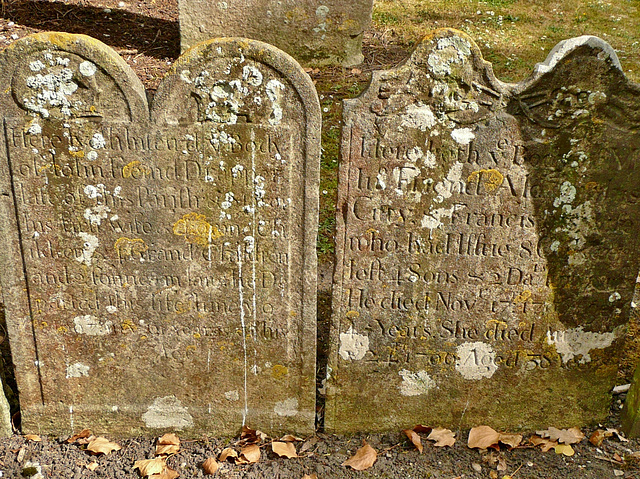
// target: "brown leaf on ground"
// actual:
[[93, 466], [228, 453], [284, 449], [598, 436], [565, 449], [310, 476], [483, 437], [85, 433], [102, 445], [210, 466], [167, 473], [422, 428], [290, 438], [249, 454], [168, 444], [618, 434], [511, 440], [33, 437], [565, 436], [149, 467], [414, 438], [363, 459], [547, 444], [443, 437], [252, 436]]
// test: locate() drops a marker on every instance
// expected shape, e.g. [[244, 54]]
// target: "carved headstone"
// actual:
[[159, 268], [314, 32], [487, 241]]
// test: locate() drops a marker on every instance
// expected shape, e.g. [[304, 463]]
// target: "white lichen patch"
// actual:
[[567, 194], [434, 218], [167, 412], [87, 68], [77, 370], [232, 395], [580, 222], [577, 342], [448, 51], [476, 360], [463, 136], [286, 408], [97, 141], [453, 181], [419, 116], [96, 214], [91, 326], [415, 384], [274, 89], [252, 75], [89, 245], [615, 296], [92, 155], [353, 346]]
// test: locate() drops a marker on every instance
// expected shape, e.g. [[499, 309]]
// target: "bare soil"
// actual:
[[145, 33]]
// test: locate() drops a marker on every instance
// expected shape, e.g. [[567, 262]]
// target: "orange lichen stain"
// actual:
[[135, 169], [196, 229], [191, 347], [279, 371], [495, 321], [491, 178], [197, 335], [183, 307], [127, 324], [77, 154], [129, 247], [293, 314], [144, 337], [62, 330], [352, 314], [522, 297], [44, 324]]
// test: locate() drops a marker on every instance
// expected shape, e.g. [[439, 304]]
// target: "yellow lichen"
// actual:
[[135, 169], [491, 178], [196, 229], [130, 247], [279, 371]]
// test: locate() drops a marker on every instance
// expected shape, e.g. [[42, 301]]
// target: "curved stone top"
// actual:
[[63, 75]]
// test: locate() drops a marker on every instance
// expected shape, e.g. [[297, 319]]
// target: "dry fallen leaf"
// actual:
[[363, 459], [84, 434], [618, 434], [102, 445], [249, 454], [310, 476], [598, 437], [443, 437], [167, 473], [565, 436], [415, 439], [228, 453], [284, 449], [565, 449], [547, 444], [512, 440], [93, 466], [21, 453], [168, 444], [33, 437], [252, 436], [290, 438], [149, 467], [483, 437], [210, 466]]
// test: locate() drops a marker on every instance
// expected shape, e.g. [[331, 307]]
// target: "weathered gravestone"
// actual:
[[159, 268], [487, 241], [314, 32]]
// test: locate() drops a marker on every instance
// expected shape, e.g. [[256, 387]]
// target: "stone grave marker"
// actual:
[[314, 32], [158, 264], [487, 241]]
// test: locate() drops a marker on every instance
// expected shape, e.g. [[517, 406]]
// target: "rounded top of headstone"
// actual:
[[65, 76], [231, 72]]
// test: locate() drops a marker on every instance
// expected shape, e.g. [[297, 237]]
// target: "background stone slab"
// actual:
[[159, 270], [486, 243], [313, 32]]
